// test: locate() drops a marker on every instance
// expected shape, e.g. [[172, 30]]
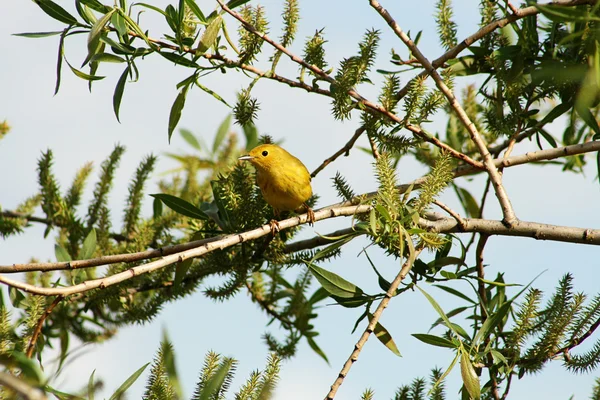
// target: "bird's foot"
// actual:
[[311, 216], [274, 226]]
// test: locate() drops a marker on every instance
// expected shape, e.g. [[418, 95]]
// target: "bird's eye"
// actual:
[[265, 153]]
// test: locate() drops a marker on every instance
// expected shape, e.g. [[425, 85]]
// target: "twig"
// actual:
[[220, 243], [450, 211], [40, 324], [371, 326], [344, 150], [507, 210], [483, 306], [374, 148], [21, 387], [512, 7]]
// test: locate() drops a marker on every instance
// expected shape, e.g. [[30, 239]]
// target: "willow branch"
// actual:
[[218, 244], [507, 210], [372, 324], [344, 150], [532, 230], [40, 324]]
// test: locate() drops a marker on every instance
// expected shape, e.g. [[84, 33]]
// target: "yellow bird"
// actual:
[[283, 180]]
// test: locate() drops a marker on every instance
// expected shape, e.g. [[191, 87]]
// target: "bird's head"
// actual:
[[265, 156]]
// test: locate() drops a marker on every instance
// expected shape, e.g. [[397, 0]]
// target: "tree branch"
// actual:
[[40, 324], [216, 244], [507, 210], [372, 324]]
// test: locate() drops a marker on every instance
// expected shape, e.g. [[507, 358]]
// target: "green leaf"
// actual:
[[107, 57], [587, 117], [180, 206], [469, 376], [384, 337], [127, 384], [119, 89], [437, 308], [196, 10], [15, 296], [120, 24], [91, 385], [435, 340], [492, 322], [190, 139], [236, 3], [93, 43], [180, 270], [62, 255], [89, 246], [212, 93], [56, 12], [335, 284], [548, 137], [95, 5], [221, 133], [313, 345], [179, 59], [151, 7], [251, 134], [175, 113], [555, 113], [83, 75], [157, 208], [37, 34], [450, 314], [332, 248], [61, 45], [468, 202], [209, 37]]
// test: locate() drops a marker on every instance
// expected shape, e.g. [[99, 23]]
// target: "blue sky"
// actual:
[[80, 127]]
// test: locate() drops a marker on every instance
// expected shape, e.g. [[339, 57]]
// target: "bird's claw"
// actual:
[[311, 216], [274, 226]]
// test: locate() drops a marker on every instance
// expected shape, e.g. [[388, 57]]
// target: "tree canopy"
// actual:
[[521, 89]]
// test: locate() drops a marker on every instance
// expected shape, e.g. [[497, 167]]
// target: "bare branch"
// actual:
[[344, 150], [219, 243], [372, 323], [40, 324]]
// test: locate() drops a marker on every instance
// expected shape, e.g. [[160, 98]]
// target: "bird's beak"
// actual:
[[246, 158]]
